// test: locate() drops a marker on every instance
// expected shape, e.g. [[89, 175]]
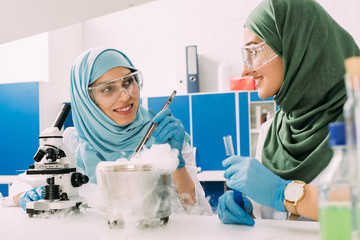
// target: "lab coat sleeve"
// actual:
[[261, 138], [22, 184], [202, 206], [25, 183], [70, 138]]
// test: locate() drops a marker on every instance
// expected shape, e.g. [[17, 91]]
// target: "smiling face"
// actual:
[[268, 78], [123, 110]]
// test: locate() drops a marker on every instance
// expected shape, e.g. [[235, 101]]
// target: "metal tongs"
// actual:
[[152, 127]]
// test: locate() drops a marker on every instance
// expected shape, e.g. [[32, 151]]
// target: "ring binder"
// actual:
[[192, 69]]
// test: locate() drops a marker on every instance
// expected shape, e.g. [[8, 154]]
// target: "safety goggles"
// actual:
[[256, 56], [108, 92]]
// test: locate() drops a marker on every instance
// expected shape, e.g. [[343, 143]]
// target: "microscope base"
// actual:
[[53, 206]]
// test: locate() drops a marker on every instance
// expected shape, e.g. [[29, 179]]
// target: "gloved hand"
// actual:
[[170, 130], [31, 196], [230, 212], [250, 177]]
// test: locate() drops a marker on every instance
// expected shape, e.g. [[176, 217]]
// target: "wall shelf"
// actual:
[[258, 108]]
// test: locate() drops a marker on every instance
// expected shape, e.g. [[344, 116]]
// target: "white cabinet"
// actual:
[[260, 111]]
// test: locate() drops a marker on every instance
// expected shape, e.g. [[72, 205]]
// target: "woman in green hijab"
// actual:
[[295, 51]]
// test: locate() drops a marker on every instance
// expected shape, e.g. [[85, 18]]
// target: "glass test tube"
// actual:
[[229, 147]]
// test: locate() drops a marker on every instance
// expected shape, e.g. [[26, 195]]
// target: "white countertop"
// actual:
[[211, 176], [203, 176], [7, 179], [15, 224]]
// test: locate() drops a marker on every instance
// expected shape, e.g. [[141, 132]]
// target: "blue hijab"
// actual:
[[101, 138]]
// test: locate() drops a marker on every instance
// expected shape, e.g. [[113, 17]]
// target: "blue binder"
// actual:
[[192, 69]]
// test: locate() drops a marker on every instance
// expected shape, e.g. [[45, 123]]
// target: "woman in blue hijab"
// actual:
[[108, 117], [110, 123]]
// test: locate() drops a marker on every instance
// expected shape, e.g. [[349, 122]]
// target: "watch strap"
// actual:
[[291, 206]]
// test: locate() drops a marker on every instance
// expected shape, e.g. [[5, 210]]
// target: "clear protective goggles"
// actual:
[[108, 92], [257, 55]]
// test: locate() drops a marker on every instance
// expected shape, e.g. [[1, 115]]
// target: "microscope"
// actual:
[[58, 163]]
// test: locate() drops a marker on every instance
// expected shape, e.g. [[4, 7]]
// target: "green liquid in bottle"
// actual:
[[335, 222]]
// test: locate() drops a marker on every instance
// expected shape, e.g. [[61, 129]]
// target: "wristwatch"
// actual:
[[294, 192]]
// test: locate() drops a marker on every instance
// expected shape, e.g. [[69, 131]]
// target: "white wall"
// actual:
[[25, 60], [346, 13], [24, 18], [64, 45], [154, 37]]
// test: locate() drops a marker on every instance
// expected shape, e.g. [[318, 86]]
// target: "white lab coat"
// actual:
[[261, 211], [27, 182]]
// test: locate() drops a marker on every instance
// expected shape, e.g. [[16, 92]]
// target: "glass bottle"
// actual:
[[352, 118], [335, 191], [263, 116]]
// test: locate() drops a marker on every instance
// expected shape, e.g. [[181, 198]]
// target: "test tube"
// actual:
[[229, 147]]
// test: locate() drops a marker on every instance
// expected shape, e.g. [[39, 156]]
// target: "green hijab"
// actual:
[[313, 47]]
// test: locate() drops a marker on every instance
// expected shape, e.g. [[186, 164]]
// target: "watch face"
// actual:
[[294, 191]]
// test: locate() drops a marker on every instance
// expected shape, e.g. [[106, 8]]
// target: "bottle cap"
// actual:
[[337, 135]]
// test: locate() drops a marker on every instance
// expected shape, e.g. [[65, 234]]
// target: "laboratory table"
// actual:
[[15, 224]]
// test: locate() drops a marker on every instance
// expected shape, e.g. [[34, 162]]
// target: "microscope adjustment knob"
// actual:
[[64, 197], [51, 192], [84, 179], [78, 179], [50, 180]]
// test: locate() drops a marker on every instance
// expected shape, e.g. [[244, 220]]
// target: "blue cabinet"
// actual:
[[179, 107], [4, 189], [244, 124], [213, 116], [19, 127]]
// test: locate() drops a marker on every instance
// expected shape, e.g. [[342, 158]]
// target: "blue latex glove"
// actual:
[[170, 130], [31, 196], [230, 212], [250, 177]]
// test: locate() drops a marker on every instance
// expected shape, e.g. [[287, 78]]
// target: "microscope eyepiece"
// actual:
[[61, 117]]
